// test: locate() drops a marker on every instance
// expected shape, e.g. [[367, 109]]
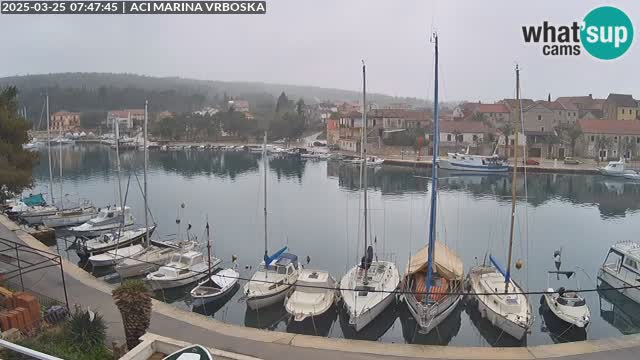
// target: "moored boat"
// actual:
[[193, 352], [479, 163], [567, 305], [70, 217], [216, 287], [151, 259], [108, 220], [112, 257], [273, 281], [183, 269], [621, 267], [314, 295], [107, 242]]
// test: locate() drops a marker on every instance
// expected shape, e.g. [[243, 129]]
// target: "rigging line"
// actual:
[[397, 291]]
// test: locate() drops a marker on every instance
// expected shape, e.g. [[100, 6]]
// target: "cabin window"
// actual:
[[613, 261], [290, 271], [282, 270], [631, 263]]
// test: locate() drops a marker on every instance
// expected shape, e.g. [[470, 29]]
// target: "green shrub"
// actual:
[[83, 331]]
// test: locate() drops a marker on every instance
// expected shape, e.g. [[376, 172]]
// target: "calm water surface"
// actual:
[[314, 209]]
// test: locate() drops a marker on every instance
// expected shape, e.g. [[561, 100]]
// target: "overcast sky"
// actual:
[[320, 43]]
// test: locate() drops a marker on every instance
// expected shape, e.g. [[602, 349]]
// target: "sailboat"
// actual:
[[369, 287], [434, 277], [498, 297], [277, 274], [154, 254]]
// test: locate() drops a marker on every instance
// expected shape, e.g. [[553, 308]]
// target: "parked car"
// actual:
[[532, 162], [571, 161]]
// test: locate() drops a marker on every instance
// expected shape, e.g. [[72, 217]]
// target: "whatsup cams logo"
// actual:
[[605, 33]]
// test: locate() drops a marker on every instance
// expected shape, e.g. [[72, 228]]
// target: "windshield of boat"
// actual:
[[571, 299]]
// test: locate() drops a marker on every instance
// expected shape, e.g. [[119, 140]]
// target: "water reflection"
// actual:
[[376, 328], [288, 167], [272, 317], [618, 310], [441, 335], [559, 331], [319, 326]]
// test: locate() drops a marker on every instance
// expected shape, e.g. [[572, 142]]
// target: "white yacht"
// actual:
[[497, 296], [70, 217], [35, 214], [106, 242], [479, 163], [314, 295], [183, 269], [367, 290], [617, 168], [151, 259], [567, 305], [113, 257], [274, 280], [621, 268], [507, 309], [108, 220]]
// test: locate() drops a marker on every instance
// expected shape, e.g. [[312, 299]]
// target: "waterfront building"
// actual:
[[65, 121], [609, 139], [621, 107]]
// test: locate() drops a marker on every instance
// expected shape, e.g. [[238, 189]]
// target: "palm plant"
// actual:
[[134, 302], [85, 329]]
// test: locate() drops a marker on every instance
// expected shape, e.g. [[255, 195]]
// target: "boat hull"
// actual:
[[67, 220], [450, 165], [261, 301], [157, 284], [364, 318], [37, 218], [615, 282], [431, 323], [580, 322]]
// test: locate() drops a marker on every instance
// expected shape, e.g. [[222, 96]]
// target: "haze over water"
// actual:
[[314, 209]]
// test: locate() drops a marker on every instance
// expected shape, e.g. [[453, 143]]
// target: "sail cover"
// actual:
[[447, 264]]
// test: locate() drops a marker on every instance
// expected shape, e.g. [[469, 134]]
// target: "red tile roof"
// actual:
[[118, 113], [512, 103], [492, 108], [400, 114], [610, 127], [65, 113], [135, 111], [463, 127]]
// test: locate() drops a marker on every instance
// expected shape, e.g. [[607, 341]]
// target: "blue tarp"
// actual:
[[276, 255], [34, 200], [497, 265]]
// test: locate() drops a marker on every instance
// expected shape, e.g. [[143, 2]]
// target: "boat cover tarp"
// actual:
[[34, 200], [446, 262]]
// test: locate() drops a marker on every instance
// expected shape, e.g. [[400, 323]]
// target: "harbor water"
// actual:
[[315, 210]]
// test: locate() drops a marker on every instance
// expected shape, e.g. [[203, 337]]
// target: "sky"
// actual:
[[321, 43]]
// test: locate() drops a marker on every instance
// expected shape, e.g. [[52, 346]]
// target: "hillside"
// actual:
[[105, 91]]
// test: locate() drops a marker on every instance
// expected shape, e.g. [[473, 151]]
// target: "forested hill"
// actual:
[[107, 91]]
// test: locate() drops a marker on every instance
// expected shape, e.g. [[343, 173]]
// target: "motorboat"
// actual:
[[506, 307], [214, 288], [35, 214], [445, 291], [70, 217], [108, 220], [374, 161], [367, 289], [106, 242], [150, 260], [314, 295], [617, 168], [479, 163], [183, 269], [193, 352], [273, 281], [568, 306], [113, 257], [621, 268]]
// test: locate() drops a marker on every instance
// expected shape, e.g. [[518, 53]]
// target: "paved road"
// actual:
[[171, 322]]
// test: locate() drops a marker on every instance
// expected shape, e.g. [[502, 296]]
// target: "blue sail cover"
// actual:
[[34, 200], [275, 256], [499, 267]]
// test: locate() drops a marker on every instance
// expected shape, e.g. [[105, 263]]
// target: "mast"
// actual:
[[118, 165], [264, 161], [363, 151], [513, 184], [209, 249], [49, 151], [61, 193], [146, 206], [434, 178]]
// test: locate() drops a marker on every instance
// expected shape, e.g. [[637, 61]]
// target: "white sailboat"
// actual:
[[113, 257], [498, 297], [434, 277], [108, 220], [369, 287], [277, 274], [114, 241]]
